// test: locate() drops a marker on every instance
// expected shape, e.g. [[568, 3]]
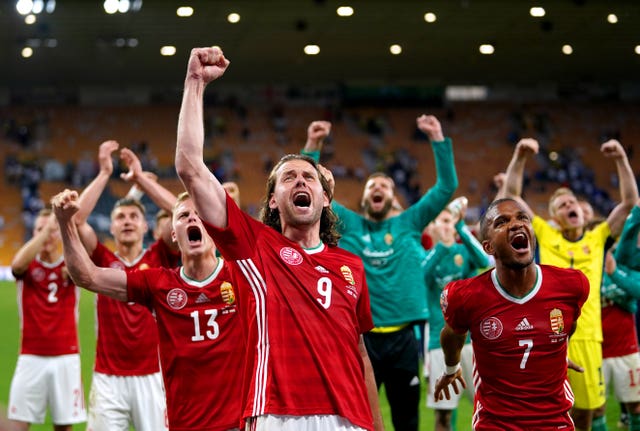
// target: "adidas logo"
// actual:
[[202, 298], [52, 276], [322, 269], [524, 325]]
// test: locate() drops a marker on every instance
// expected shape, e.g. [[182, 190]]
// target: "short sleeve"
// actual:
[[451, 303], [138, 285]]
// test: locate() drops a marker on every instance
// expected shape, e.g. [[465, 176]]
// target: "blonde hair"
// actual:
[[181, 198], [44, 212], [559, 192]]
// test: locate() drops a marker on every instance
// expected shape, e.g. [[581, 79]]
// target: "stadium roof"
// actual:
[[79, 45]]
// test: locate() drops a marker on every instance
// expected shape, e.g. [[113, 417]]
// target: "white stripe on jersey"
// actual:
[[259, 289], [476, 415], [20, 290], [568, 393], [476, 377]]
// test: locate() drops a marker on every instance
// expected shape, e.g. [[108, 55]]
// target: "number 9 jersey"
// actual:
[[304, 312]]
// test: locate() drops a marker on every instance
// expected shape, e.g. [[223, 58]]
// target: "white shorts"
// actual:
[[437, 368], [300, 423], [116, 402], [41, 381], [617, 372], [425, 349]]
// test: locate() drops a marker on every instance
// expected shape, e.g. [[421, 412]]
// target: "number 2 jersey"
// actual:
[[201, 344], [304, 312], [127, 338], [48, 308], [520, 344]]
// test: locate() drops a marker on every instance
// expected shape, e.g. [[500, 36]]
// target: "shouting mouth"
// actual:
[[194, 234], [302, 199], [520, 242]]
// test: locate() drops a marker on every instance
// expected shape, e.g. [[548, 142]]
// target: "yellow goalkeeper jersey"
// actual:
[[585, 254]]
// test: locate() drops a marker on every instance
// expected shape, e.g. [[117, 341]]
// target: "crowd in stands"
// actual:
[[366, 140]]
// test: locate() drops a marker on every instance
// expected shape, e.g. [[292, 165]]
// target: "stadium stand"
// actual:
[[242, 142]]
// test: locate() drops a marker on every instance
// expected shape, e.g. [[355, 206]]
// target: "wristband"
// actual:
[[450, 370], [135, 193]]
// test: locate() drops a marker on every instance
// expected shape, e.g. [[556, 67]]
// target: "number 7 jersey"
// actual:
[[520, 344]]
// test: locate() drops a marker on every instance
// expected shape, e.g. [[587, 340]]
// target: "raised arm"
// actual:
[[205, 65], [512, 187], [31, 248], [83, 272], [158, 194], [437, 197], [627, 250], [477, 256], [90, 195], [624, 277], [317, 132], [627, 183]]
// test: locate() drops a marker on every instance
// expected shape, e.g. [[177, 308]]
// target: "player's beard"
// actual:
[[515, 264], [378, 215]]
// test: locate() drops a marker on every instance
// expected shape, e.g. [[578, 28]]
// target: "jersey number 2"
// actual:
[[53, 289]]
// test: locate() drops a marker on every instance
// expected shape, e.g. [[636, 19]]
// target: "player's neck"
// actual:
[[573, 234], [448, 242], [378, 217], [199, 267], [517, 281], [129, 252], [50, 256], [305, 236]]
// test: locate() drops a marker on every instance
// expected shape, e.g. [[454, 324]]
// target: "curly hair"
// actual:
[[328, 219]]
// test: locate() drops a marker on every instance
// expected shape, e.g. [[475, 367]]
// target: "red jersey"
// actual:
[[201, 344], [127, 339], [618, 332], [520, 344], [304, 313], [48, 309]]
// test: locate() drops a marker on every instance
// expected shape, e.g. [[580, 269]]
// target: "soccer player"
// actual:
[[48, 368], [127, 384], [520, 316], [388, 242], [568, 244], [195, 307], [620, 294], [304, 302], [449, 260]]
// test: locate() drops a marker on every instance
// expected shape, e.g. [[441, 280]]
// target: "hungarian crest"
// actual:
[[557, 321]]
